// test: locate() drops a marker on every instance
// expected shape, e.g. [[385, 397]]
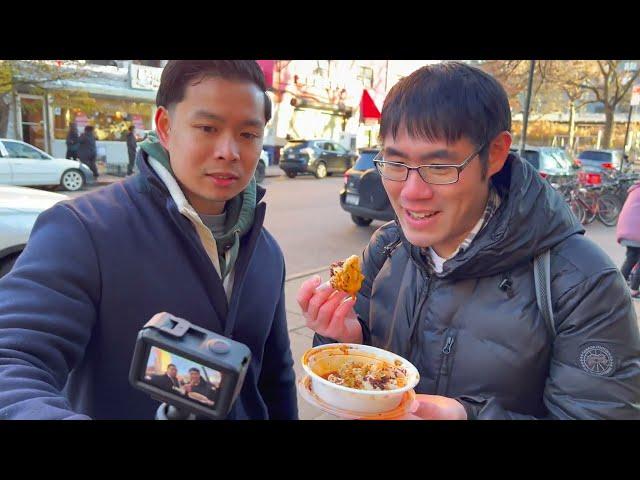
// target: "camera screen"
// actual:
[[183, 377]]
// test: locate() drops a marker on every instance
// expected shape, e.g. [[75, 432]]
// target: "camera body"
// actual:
[[188, 367]]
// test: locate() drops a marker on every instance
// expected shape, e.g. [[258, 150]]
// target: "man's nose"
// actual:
[[227, 147], [415, 188]]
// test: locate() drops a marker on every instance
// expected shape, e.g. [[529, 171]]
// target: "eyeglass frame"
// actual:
[[459, 168]]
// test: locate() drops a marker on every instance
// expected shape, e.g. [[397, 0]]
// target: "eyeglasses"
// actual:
[[433, 174]]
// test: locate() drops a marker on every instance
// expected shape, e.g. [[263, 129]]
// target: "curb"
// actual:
[[306, 273]]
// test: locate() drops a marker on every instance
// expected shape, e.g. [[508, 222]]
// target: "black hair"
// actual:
[[193, 369], [88, 128], [178, 74], [448, 101], [171, 365]]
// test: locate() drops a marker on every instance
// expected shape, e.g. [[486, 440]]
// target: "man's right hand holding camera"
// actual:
[[329, 312]]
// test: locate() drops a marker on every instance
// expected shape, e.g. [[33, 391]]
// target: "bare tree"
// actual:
[[609, 84]]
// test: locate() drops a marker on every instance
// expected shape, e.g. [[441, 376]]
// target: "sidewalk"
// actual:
[[301, 338]]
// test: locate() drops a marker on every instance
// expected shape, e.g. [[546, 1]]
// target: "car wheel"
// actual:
[[72, 180], [291, 174], [7, 264], [361, 221], [321, 170], [261, 170]]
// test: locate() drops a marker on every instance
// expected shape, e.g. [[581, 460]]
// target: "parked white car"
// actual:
[[19, 209], [24, 164]]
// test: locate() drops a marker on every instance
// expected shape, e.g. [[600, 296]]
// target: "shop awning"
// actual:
[[368, 109]]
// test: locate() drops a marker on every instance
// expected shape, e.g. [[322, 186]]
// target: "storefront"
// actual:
[[111, 105], [111, 116]]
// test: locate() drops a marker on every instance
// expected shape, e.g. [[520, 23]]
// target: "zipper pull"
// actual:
[[447, 347]]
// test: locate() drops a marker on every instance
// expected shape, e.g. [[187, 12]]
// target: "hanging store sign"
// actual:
[[144, 78]]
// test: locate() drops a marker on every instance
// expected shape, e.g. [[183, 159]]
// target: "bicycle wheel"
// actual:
[[577, 210], [589, 215], [608, 210]]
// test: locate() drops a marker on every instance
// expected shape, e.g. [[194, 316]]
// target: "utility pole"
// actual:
[[525, 113], [635, 100]]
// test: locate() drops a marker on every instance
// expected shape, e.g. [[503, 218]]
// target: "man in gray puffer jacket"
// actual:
[[450, 285]]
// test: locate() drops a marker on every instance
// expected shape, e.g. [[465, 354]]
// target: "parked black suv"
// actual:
[[363, 195], [319, 157]]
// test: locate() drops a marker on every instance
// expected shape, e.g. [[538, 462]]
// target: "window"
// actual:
[[20, 150], [365, 161], [556, 159], [328, 146], [596, 156], [366, 77], [110, 117], [339, 148]]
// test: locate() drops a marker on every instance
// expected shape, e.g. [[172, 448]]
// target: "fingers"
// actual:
[[306, 291], [326, 312], [317, 301], [436, 407], [344, 310]]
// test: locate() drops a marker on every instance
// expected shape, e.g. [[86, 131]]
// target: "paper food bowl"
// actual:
[[319, 361]]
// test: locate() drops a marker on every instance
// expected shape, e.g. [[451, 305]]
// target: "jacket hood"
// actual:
[[532, 218]]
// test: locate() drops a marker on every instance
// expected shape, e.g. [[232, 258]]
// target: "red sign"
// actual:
[[368, 109], [267, 66]]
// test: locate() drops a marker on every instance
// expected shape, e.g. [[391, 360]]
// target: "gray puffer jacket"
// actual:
[[475, 332]]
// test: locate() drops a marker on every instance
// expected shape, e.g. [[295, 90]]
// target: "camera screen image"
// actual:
[[183, 377]]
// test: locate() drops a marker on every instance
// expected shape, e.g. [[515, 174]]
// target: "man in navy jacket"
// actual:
[[184, 236]]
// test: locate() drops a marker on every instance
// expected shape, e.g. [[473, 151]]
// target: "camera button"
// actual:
[[219, 346]]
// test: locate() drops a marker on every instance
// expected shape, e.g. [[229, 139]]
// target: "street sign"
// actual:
[[635, 95]]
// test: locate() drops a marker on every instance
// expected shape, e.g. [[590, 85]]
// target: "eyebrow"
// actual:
[[442, 153], [212, 116]]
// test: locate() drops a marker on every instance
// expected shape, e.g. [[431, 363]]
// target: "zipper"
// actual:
[[447, 347], [443, 375], [416, 318]]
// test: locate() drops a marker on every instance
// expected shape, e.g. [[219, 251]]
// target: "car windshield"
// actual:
[[365, 160], [555, 159]]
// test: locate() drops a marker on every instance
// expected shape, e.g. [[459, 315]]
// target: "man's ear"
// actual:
[[163, 126], [498, 152]]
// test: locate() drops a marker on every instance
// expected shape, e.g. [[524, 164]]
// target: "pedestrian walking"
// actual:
[[72, 142], [87, 151], [628, 235]]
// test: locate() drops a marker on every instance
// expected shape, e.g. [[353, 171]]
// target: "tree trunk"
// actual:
[[608, 127], [572, 125], [5, 109]]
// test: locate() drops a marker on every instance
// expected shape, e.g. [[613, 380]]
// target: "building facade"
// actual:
[[110, 95], [333, 99]]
